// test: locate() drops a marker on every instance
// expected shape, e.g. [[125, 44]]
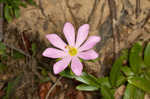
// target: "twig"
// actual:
[[62, 9], [112, 9], [19, 50], [44, 14], [71, 13], [93, 10], [24, 42], [137, 8], [53, 87], [101, 16], [33, 64], [127, 4], [113, 15], [146, 19], [41, 8]]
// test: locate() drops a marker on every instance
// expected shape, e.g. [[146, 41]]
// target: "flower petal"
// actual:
[[54, 53], [88, 55], [82, 34], [69, 33], [61, 65], [76, 66], [56, 41], [90, 43]]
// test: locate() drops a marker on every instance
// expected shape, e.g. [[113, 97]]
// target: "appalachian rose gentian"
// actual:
[[72, 51]]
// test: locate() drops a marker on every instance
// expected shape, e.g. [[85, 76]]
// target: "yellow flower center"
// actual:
[[72, 51]]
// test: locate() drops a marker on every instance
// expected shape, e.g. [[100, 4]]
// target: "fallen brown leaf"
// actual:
[[80, 95], [44, 89], [147, 96], [119, 92], [2, 93]]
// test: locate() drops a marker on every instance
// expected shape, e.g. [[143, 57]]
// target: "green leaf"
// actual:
[[17, 55], [115, 71], [46, 79], [135, 57], [141, 83], [2, 68], [44, 72], [7, 13], [58, 59], [147, 55], [127, 71], [11, 86], [106, 93], [84, 78], [23, 4], [139, 94], [67, 73], [129, 92], [2, 1], [132, 92], [104, 81], [87, 79], [2, 46], [17, 12], [94, 60], [147, 75], [2, 49], [33, 48], [31, 2], [84, 87], [121, 80], [4, 57]]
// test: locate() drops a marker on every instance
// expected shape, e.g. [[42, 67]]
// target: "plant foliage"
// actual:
[[135, 74], [12, 8]]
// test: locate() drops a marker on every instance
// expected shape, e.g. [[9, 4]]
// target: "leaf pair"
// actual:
[[89, 82]]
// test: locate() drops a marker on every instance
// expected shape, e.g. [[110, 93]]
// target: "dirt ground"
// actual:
[[120, 23]]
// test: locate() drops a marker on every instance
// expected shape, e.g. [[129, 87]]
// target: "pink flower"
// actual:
[[74, 50]]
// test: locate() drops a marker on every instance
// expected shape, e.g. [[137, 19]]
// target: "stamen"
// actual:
[[72, 51]]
